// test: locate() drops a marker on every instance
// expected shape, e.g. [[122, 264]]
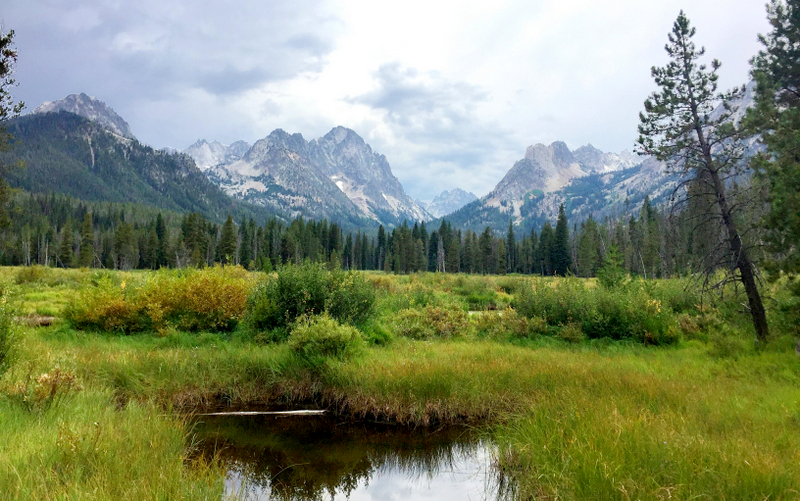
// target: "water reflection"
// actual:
[[316, 458]]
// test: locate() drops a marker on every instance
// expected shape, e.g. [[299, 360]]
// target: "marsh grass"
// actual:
[[707, 416], [87, 449]]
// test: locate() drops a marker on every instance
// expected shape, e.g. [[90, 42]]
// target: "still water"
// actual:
[[317, 458]]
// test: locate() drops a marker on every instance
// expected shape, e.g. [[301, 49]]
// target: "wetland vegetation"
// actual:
[[633, 390]]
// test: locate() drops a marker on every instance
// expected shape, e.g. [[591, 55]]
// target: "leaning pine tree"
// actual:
[[679, 127]]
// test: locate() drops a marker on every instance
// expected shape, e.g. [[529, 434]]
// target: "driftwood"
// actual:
[[265, 413], [35, 320]]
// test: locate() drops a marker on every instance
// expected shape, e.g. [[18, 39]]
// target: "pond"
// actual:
[[275, 457]]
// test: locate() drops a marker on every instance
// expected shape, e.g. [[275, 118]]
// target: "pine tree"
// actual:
[[511, 247], [561, 256], [8, 110], [678, 127], [227, 242], [162, 254], [776, 116], [544, 254], [589, 257], [488, 262], [87, 242]]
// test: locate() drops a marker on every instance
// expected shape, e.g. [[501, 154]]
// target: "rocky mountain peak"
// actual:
[[91, 109], [450, 201], [207, 155]]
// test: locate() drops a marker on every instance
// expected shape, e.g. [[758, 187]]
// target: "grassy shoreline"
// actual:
[[595, 419]]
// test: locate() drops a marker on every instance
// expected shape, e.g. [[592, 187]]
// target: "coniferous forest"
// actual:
[[60, 231]]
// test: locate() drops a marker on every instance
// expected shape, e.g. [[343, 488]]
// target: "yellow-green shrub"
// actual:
[[507, 324], [432, 321], [206, 299]]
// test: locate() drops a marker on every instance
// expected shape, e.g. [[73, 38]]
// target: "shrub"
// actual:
[[297, 291], [432, 321], [319, 337], [31, 274], [558, 302], [629, 312], [206, 299], [408, 295], [507, 324], [572, 333], [375, 332], [351, 298], [6, 330]]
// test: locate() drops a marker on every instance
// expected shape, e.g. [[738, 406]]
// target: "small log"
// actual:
[[265, 413]]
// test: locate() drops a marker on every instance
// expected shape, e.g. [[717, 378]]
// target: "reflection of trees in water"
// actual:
[[311, 458]]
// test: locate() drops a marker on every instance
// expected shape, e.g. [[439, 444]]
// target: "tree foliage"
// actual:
[[681, 127], [776, 116], [8, 110]]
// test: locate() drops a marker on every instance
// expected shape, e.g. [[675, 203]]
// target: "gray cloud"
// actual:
[[440, 118], [126, 52]]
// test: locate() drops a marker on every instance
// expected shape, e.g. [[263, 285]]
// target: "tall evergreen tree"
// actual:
[[545, 250], [8, 110], [561, 255], [511, 248], [776, 116], [87, 241], [227, 242], [678, 127]]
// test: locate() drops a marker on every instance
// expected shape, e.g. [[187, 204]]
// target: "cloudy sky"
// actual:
[[451, 92]]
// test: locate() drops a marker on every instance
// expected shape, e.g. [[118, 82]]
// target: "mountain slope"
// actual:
[[90, 108], [337, 176], [207, 155], [277, 173], [66, 153], [587, 181]]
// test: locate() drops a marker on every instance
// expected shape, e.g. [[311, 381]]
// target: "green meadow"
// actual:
[[645, 390]]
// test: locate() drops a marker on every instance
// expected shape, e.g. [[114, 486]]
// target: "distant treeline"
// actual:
[[57, 230]]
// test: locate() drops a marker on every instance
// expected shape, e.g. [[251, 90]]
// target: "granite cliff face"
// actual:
[[207, 155], [337, 176], [588, 181], [90, 108], [450, 201]]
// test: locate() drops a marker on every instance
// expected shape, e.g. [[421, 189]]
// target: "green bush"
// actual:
[[629, 312], [558, 301], [297, 291], [411, 295], [30, 274], [6, 330], [316, 338], [376, 332], [351, 298], [572, 333]]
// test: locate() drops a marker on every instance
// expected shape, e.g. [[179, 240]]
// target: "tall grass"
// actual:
[[704, 417], [87, 449]]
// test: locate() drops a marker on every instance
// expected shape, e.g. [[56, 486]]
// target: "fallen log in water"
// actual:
[[266, 413]]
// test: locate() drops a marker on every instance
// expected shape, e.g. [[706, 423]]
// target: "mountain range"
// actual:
[[448, 202], [81, 147], [337, 176]]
